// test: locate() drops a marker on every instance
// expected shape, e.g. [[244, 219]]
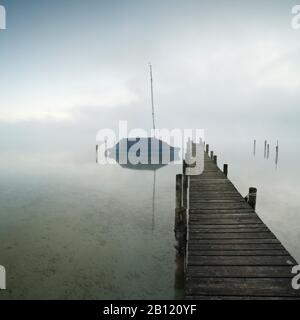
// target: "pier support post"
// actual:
[[184, 190], [179, 182], [252, 196], [183, 167], [215, 159], [179, 271], [181, 239], [193, 149], [207, 149], [211, 154], [225, 169], [180, 220], [180, 213]]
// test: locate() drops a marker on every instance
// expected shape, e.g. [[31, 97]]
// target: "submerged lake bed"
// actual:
[[75, 229]]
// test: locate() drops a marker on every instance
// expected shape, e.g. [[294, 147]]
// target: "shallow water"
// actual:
[[278, 203], [72, 229]]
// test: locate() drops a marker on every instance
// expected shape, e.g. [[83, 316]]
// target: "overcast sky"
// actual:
[[229, 67]]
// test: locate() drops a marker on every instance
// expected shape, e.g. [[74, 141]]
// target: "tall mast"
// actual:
[[152, 99]]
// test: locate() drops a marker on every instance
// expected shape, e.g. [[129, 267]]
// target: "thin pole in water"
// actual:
[[276, 156], [152, 98], [153, 201], [265, 149], [106, 148]]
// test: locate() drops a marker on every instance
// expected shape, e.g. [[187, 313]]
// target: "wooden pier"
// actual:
[[229, 253]]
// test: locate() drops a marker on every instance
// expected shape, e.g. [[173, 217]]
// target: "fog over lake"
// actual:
[[73, 229]]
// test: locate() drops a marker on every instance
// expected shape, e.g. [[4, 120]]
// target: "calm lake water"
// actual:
[[74, 229], [71, 229]]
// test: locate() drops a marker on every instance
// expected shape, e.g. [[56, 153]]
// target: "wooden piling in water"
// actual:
[[194, 150], [184, 167], [181, 238], [179, 181], [225, 169], [184, 190], [212, 155], [215, 159], [252, 197], [180, 219], [265, 149], [179, 270], [207, 148], [276, 156]]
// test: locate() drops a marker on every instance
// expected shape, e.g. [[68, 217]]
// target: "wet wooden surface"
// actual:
[[231, 253]]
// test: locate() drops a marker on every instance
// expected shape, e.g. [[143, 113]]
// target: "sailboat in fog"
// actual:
[[153, 153]]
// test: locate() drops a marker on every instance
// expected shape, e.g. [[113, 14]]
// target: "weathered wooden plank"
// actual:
[[222, 211], [209, 186], [197, 180], [212, 184], [202, 216], [244, 252], [210, 170], [239, 272], [207, 197], [225, 220], [222, 201], [200, 192], [234, 246], [232, 235], [241, 286], [207, 181], [215, 206], [216, 197], [212, 173], [200, 229], [212, 188], [233, 241], [240, 260], [204, 181], [226, 226]]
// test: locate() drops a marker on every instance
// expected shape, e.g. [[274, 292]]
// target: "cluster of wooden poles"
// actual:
[[267, 150]]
